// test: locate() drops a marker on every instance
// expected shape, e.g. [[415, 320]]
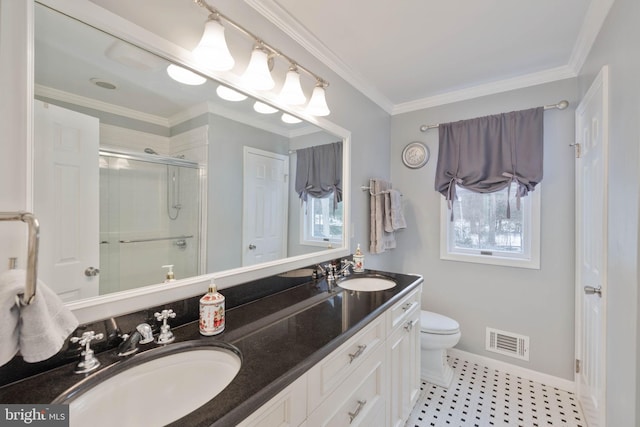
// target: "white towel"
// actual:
[[38, 330]]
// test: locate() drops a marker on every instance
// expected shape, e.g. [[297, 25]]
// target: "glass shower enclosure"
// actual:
[[150, 216]]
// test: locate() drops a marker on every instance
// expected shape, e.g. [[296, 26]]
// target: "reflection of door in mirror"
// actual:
[[264, 217], [66, 199]]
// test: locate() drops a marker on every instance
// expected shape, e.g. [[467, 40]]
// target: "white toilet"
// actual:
[[437, 334]]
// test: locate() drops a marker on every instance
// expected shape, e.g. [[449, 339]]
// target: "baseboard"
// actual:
[[548, 380]]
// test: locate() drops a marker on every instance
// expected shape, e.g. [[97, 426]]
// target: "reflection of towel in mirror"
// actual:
[[381, 240], [393, 216], [38, 330]]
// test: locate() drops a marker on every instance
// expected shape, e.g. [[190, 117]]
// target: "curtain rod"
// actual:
[[560, 106]]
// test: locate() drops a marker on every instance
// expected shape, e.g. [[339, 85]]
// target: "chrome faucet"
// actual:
[[331, 273], [346, 266], [88, 361], [166, 336], [142, 335]]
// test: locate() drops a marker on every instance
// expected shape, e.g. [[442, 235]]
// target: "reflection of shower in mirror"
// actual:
[[173, 192]]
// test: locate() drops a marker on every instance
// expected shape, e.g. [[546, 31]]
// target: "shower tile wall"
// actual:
[[138, 200]]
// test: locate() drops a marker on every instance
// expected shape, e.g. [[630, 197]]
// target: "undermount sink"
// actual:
[[153, 388], [368, 283]]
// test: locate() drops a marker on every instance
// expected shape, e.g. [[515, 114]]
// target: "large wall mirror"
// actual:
[[135, 172]]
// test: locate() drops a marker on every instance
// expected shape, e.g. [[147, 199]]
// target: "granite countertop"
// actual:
[[280, 336]]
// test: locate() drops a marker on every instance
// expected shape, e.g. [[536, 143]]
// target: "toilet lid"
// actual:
[[435, 323]]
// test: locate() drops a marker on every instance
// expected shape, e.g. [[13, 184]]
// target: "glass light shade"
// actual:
[[318, 104], [212, 50], [291, 92], [257, 74], [229, 94], [184, 76], [288, 118], [263, 108]]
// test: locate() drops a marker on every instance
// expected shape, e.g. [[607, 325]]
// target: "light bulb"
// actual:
[[257, 74], [318, 104], [263, 108], [229, 94], [291, 92], [212, 50], [184, 76]]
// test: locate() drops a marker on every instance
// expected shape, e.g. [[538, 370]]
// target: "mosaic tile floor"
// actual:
[[480, 397]]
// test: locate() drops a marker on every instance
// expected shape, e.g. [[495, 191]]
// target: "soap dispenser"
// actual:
[[212, 312], [169, 277], [358, 260]]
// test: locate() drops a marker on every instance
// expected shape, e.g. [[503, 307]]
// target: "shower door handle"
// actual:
[[91, 271], [251, 246]]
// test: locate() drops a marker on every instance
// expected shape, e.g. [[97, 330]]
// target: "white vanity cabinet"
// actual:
[[287, 408], [371, 380], [403, 357]]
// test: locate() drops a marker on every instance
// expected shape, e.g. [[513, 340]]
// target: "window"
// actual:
[[321, 225], [481, 232]]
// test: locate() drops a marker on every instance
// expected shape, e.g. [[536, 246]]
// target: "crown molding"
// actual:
[[273, 12], [533, 79], [83, 101], [591, 25]]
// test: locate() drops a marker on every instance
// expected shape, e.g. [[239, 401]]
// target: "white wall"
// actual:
[[617, 45], [13, 129], [535, 303]]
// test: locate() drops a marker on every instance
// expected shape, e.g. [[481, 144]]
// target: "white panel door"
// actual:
[[66, 199], [591, 249], [265, 206]]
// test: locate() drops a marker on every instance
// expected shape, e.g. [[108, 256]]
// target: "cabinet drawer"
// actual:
[[358, 401], [401, 310], [331, 371], [287, 408]]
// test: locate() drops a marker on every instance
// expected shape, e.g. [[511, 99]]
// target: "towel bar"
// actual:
[[32, 253]]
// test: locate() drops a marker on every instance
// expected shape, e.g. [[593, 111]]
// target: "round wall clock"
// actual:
[[415, 155]]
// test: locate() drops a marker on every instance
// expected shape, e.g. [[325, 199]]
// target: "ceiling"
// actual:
[[407, 55], [411, 54]]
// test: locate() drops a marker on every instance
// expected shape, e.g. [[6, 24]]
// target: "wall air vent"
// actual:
[[507, 343]]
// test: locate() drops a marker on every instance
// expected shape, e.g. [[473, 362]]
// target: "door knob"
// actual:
[[91, 271], [252, 246], [590, 290]]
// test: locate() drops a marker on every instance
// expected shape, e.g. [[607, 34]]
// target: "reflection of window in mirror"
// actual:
[[322, 224]]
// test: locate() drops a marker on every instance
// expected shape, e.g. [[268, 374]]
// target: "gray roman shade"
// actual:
[[486, 154], [319, 172]]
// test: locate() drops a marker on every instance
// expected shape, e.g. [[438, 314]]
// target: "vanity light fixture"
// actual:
[[288, 118], [229, 94], [263, 108], [318, 104], [258, 72], [184, 76], [291, 92], [257, 75], [212, 50]]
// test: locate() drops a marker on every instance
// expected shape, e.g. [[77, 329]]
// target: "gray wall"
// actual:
[[535, 303], [227, 140], [617, 45]]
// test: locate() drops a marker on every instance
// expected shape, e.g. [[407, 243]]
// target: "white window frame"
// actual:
[[305, 228], [529, 259]]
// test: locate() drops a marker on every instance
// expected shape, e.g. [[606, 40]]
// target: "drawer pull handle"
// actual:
[[354, 414], [407, 306], [354, 356], [409, 326]]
